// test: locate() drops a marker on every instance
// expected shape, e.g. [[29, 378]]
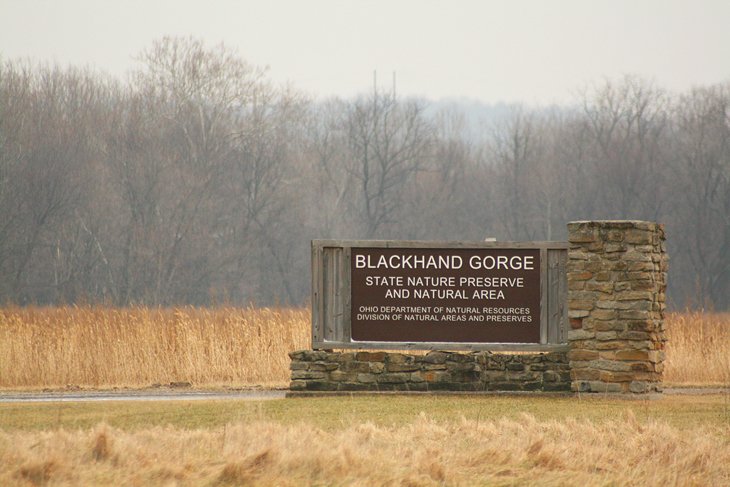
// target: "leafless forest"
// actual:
[[197, 180]]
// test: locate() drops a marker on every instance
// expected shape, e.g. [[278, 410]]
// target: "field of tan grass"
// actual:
[[95, 346], [698, 349], [679, 440], [521, 451]]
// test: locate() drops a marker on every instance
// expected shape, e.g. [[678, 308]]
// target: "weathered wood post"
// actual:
[[617, 276]]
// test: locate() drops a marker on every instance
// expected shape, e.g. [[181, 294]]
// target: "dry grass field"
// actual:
[[698, 349], [421, 453], [405, 441], [94, 346]]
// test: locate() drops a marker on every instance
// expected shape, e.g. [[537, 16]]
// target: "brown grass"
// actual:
[[424, 452], [95, 346], [698, 348], [103, 347]]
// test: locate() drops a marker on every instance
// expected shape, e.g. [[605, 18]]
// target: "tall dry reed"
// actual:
[[102, 347], [698, 348], [423, 452], [99, 346]]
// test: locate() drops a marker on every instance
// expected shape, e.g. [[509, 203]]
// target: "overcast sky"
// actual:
[[537, 52]]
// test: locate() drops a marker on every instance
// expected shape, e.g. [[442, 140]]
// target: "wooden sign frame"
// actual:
[[332, 298]]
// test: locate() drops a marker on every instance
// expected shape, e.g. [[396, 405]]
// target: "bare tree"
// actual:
[[447, 197], [701, 186], [45, 155], [518, 150], [628, 122], [387, 145]]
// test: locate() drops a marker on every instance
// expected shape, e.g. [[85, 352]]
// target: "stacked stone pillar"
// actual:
[[617, 275]]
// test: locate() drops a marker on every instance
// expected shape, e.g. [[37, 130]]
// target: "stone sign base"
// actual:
[[617, 279], [434, 371]]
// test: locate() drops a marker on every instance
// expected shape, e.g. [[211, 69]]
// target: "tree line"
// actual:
[[197, 180]]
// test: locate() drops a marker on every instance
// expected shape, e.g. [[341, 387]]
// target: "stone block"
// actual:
[[460, 367], [418, 386], [625, 305], [341, 357], [323, 366], [579, 276], [523, 376], [645, 325], [634, 314], [584, 374], [297, 355], [640, 266], [314, 355], [610, 365], [340, 376], [644, 285], [377, 367], [576, 285], [577, 304], [356, 367], [634, 296], [556, 386], [639, 344], [436, 376], [401, 367], [581, 233], [370, 356], [307, 375], [399, 358], [603, 276], [578, 313], [393, 378], [606, 387], [606, 335], [603, 326], [621, 286], [532, 386], [465, 376], [639, 236], [460, 357], [580, 386], [494, 375], [614, 247], [580, 255], [638, 367], [551, 376], [636, 335], [582, 355], [580, 335], [613, 235], [607, 376], [640, 276], [321, 385], [656, 356], [601, 287], [433, 358], [417, 377]]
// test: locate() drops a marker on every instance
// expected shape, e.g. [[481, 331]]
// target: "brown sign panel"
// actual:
[[479, 295]]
